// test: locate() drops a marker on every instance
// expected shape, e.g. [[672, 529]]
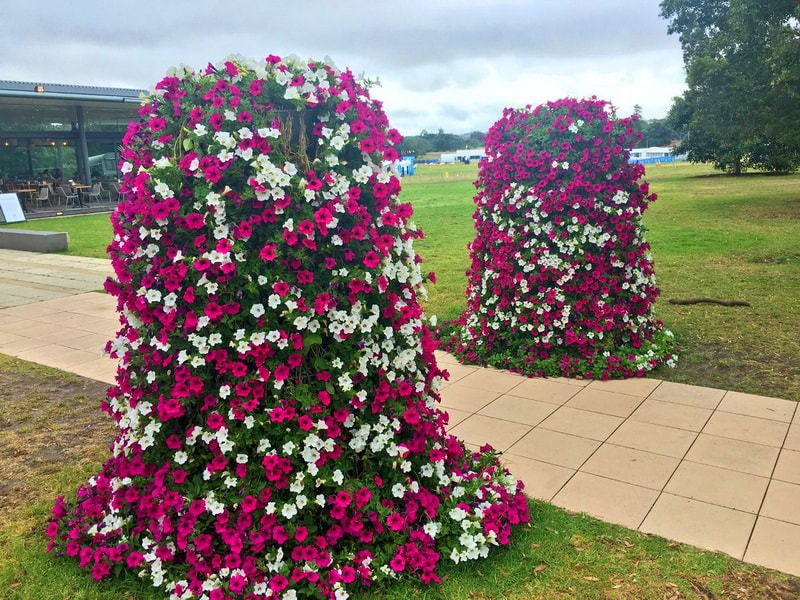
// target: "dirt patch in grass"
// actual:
[[48, 421], [764, 371], [758, 585]]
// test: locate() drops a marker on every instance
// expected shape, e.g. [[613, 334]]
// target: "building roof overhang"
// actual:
[[24, 102]]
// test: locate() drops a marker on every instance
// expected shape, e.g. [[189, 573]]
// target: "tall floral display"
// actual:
[[276, 396], [561, 280]]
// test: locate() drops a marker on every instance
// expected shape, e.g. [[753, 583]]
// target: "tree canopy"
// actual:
[[742, 59], [657, 132]]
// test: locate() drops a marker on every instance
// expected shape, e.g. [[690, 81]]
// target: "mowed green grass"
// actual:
[[715, 236], [735, 239], [89, 235], [558, 556], [712, 235]]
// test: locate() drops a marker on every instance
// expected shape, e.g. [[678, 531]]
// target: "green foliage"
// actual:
[[439, 142], [657, 132], [415, 144], [742, 106]]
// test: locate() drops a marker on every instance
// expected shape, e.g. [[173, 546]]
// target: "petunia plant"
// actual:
[[276, 395], [561, 281]]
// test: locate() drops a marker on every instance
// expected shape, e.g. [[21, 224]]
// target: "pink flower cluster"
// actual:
[[561, 280], [276, 398]]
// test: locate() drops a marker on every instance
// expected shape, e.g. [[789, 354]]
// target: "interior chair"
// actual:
[[94, 193], [44, 196], [115, 193], [69, 196]]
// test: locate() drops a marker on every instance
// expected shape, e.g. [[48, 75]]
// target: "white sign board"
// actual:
[[10, 209]]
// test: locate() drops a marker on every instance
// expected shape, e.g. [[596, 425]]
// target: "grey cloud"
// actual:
[[434, 77], [433, 51]]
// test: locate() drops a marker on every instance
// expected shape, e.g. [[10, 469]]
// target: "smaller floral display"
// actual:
[[561, 281]]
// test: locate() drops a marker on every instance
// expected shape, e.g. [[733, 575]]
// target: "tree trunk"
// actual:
[[737, 165]]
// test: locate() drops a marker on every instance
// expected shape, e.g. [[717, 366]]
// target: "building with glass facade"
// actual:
[[63, 131]]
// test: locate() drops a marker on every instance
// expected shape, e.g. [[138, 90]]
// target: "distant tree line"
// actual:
[[655, 132], [440, 141]]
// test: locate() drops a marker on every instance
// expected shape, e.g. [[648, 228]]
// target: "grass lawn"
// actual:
[[53, 438], [712, 236], [89, 235]]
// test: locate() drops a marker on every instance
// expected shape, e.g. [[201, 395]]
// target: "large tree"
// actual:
[[742, 58]]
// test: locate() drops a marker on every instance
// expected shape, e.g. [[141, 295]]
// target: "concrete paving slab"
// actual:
[[638, 467], [555, 448], [542, 480], [700, 524], [605, 401], [649, 437], [614, 501], [583, 423], [714, 485], [518, 410], [736, 455], [691, 418], [690, 395], [774, 544]]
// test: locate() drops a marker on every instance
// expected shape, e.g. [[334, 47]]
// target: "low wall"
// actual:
[[33, 241]]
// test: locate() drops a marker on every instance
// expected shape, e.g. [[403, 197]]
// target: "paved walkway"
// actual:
[[716, 469]]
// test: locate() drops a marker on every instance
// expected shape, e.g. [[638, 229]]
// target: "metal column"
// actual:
[[82, 147]]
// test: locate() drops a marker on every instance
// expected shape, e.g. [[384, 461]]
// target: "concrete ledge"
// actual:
[[33, 241]]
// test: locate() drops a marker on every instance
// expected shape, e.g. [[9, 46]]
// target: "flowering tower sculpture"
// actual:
[[276, 395], [561, 280]]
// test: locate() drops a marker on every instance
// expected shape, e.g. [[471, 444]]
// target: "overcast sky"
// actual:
[[443, 64]]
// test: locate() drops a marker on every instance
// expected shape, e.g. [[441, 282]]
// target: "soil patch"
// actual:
[[48, 420], [758, 585]]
